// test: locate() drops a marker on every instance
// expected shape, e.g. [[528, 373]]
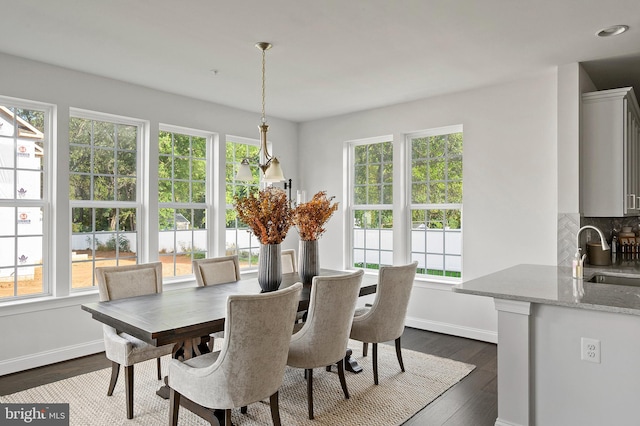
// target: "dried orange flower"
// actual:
[[311, 216], [267, 213]]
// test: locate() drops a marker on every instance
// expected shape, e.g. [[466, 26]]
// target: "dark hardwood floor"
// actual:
[[472, 402]]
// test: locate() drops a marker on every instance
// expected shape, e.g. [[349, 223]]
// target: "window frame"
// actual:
[[259, 185], [445, 130], [48, 195], [207, 206], [142, 249], [350, 210]]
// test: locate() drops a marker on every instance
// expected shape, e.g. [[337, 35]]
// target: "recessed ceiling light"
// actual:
[[612, 31]]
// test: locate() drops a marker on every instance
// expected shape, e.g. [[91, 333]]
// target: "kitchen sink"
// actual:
[[614, 279]]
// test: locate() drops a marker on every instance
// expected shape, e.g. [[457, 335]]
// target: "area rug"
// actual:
[[396, 399]]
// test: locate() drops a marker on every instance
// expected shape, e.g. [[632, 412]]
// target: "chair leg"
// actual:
[[115, 370], [174, 406], [365, 347], [399, 354], [275, 409], [375, 363], [159, 369], [128, 376], [310, 392], [227, 417], [243, 409], [343, 382]]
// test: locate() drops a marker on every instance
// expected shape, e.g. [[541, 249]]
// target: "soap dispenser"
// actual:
[[578, 264]]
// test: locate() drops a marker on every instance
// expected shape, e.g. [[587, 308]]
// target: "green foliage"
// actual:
[[373, 173], [437, 218], [366, 265], [373, 219], [436, 169], [119, 242], [115, 242], [437, 272], [235, 152], [193, 252], [182, 168]]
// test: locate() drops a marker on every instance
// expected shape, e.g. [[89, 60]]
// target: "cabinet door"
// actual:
[[633, 128], [631, 162]]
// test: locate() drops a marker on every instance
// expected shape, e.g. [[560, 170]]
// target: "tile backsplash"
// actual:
[[611, 225], [570, 223]]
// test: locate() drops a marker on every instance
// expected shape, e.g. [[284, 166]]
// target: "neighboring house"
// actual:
[[20, 146]]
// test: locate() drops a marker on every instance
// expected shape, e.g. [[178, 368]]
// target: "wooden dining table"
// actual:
[[186, 317]]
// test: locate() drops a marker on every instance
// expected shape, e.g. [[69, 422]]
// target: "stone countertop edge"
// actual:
[[554, 285]]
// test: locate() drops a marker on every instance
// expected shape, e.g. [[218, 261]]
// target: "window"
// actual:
[[24, 200], [239, 240], [436, 201], [371, 203], [104, 193], [182, 177]]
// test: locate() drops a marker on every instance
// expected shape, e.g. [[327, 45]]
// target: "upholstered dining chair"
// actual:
[[251, 363], [384, 320], [322, 340], [289, 261], [216, 270], [118, 282]]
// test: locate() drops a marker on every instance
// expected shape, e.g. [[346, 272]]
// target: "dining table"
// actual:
[[186, 317]]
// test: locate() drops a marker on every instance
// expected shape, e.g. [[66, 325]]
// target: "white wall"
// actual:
[[510, 186], [53, 330]]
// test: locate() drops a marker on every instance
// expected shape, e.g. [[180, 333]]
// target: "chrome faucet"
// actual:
[[578, 261]]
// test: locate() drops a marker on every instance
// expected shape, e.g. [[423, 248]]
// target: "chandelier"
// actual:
[[271, 170]]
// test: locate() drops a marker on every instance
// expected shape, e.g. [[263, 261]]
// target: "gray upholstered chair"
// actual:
[[289, 261], [289, 265], [322, 340], [118, 282], [216, 270], [251, 363], [384, 320]]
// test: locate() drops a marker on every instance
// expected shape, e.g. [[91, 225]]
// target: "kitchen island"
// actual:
[[544, 317]]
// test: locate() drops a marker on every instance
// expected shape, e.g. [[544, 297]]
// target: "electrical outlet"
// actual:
[[590, 350]]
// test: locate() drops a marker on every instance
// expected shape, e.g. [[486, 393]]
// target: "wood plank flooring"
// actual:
[[472, 402]]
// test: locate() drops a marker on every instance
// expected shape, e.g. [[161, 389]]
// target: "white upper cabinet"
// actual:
[[610, 154]]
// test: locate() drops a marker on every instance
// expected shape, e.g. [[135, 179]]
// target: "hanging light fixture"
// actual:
[[271, 170]]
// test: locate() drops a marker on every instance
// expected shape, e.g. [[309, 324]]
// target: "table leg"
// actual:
[[350, 364]]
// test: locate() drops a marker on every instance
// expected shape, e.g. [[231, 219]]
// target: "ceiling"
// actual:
[[329, 57]]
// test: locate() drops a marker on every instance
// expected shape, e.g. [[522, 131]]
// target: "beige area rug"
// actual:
[[398, 396]]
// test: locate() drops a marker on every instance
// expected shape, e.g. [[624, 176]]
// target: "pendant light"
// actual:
[[271, 170]]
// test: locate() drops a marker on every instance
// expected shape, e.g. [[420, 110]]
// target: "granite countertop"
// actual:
[[554, 285]]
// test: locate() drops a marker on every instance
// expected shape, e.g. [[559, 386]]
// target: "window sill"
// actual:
[[434, 284], [428, 282], [44, 303]]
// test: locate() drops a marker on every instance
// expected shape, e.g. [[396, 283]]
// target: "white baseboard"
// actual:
[[453, 329], [50, 357], [505, 423], [75, 351]]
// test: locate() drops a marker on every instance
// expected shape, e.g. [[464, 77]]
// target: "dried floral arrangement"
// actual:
[[310, 217], [266, 212]]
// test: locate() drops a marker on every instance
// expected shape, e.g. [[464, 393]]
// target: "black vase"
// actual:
[[308, 263], [269, 267]]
